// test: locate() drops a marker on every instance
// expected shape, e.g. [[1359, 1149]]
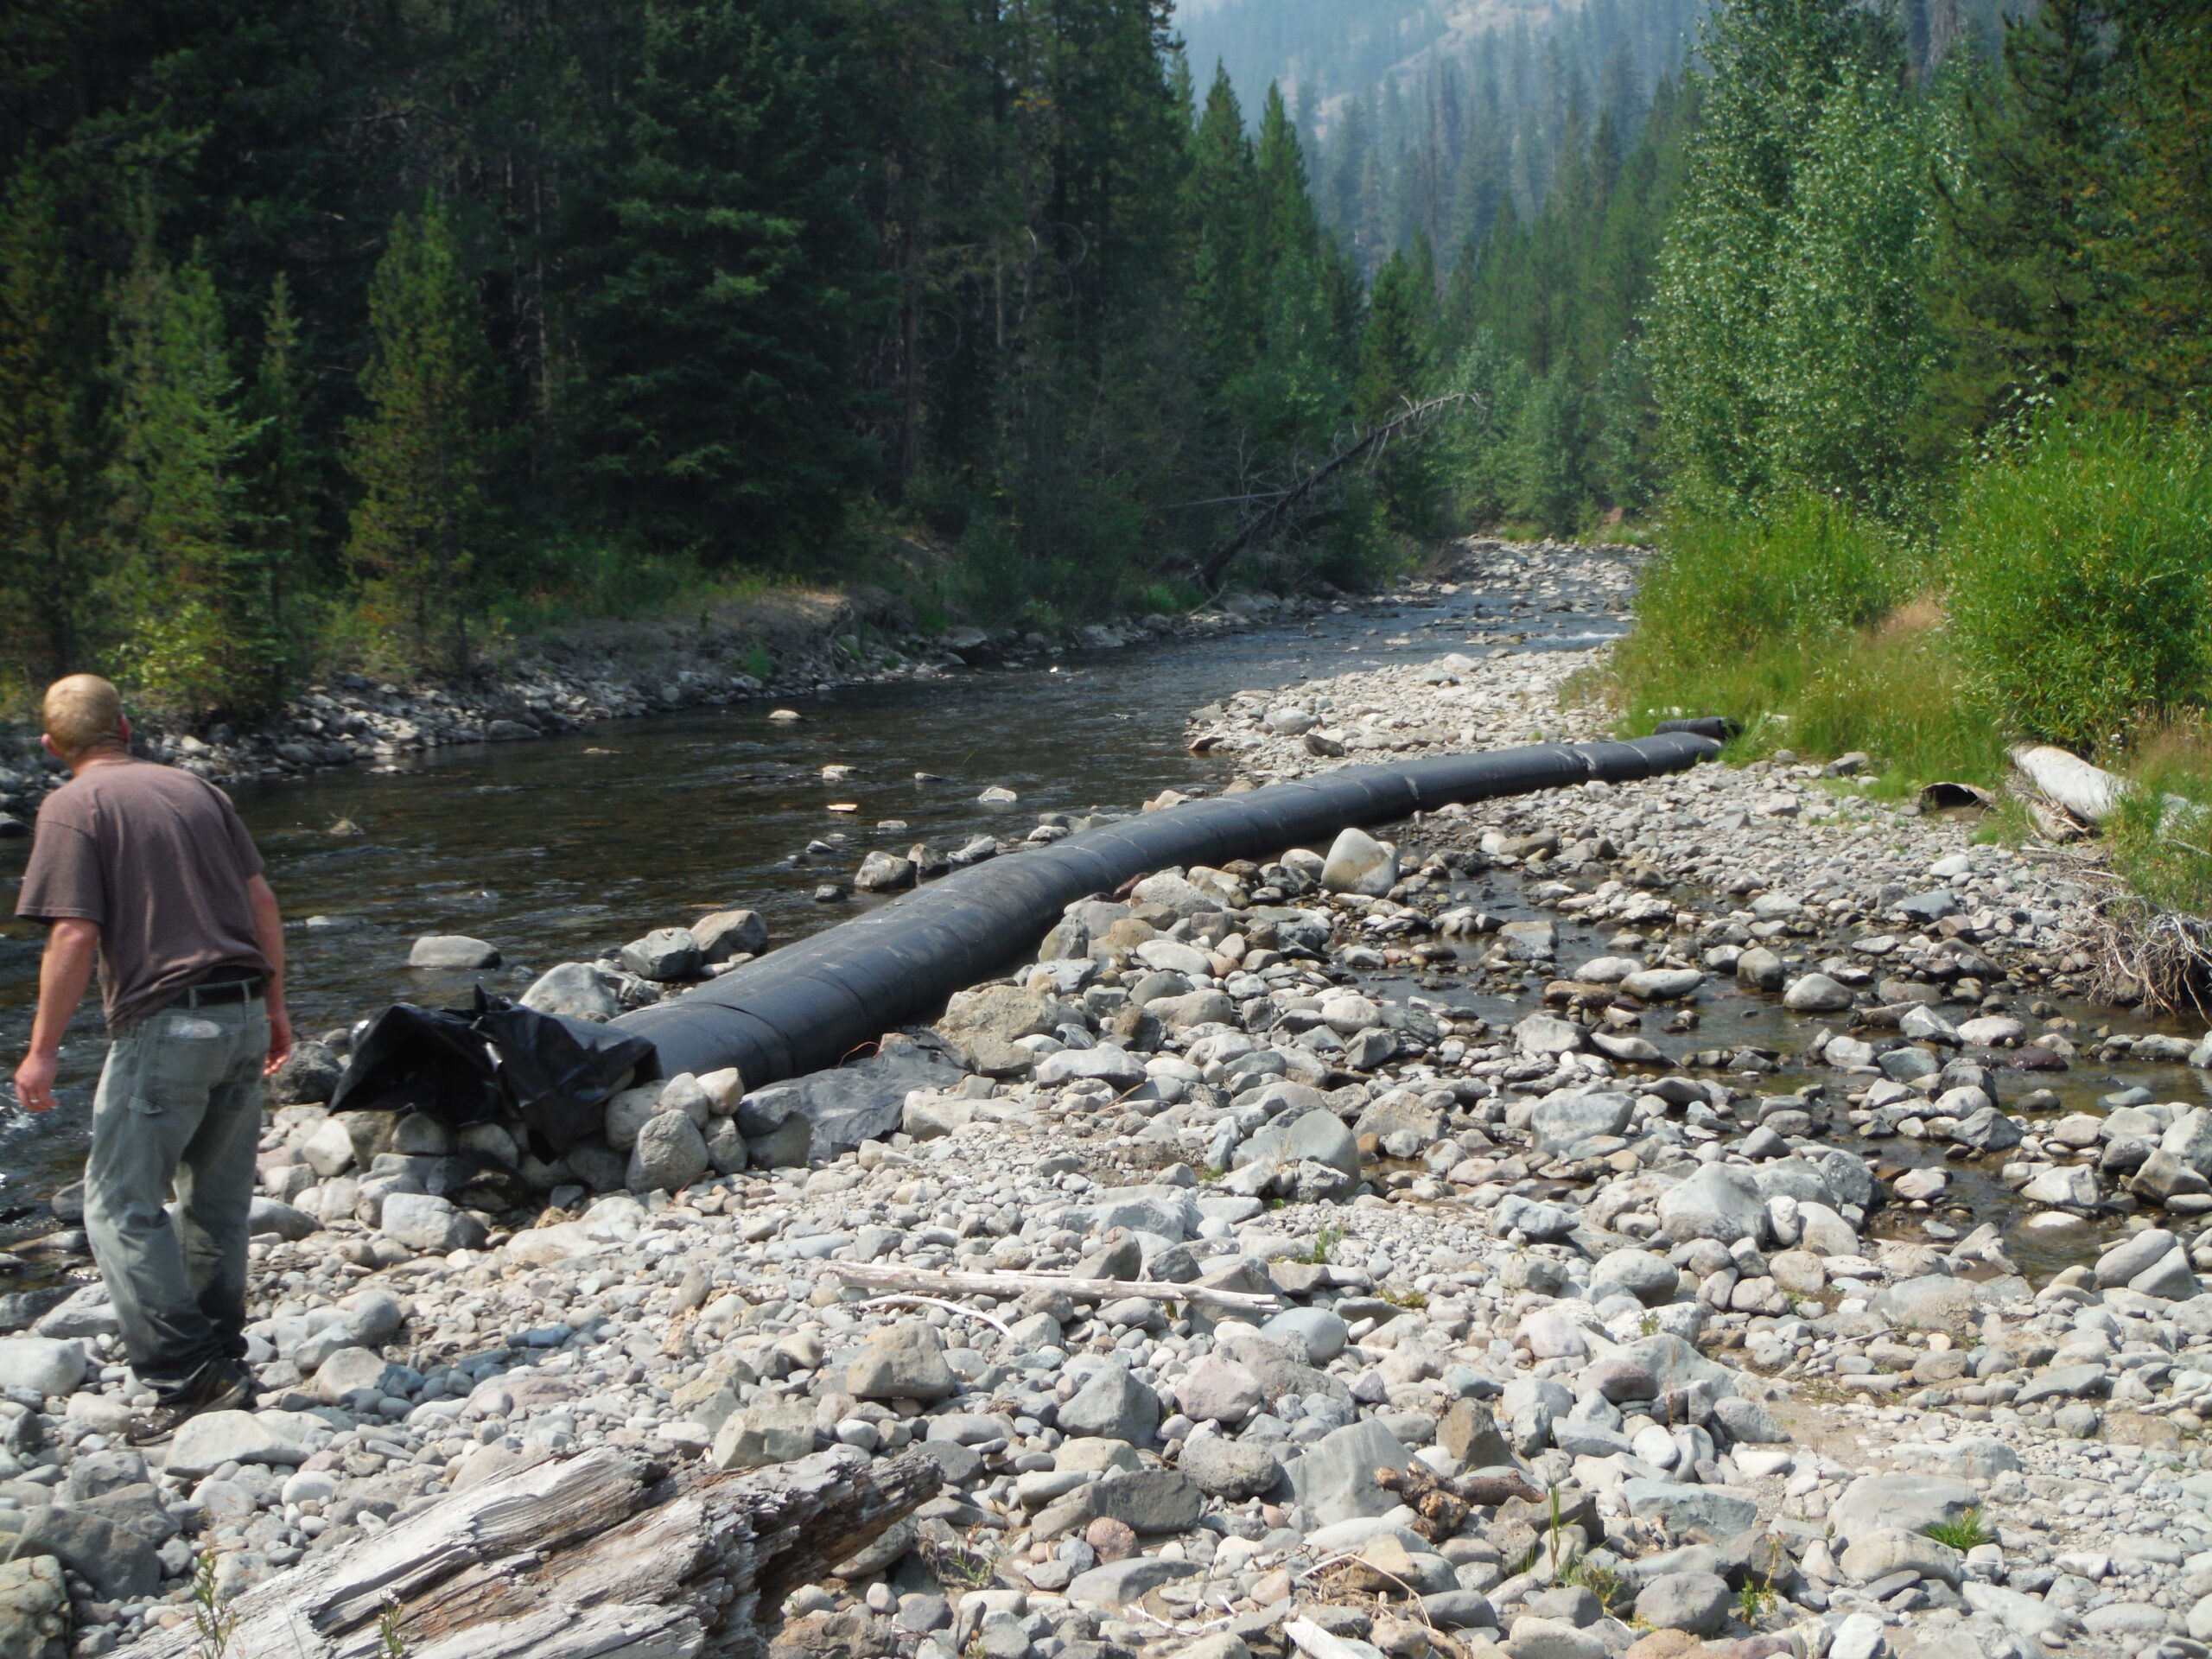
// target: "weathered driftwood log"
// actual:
[[2090, 793], [601, 1555], [883, 1275]]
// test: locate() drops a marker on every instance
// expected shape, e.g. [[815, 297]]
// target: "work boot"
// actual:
[[221, 1385]]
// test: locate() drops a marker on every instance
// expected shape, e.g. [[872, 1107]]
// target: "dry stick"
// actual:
[[913, 1298], [1217, 561], [885, 1276]]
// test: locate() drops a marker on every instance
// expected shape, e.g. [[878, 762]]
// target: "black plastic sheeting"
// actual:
[[463, 1065], [813, 1004]]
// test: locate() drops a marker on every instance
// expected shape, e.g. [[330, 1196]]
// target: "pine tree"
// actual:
[[419, 531], [728, 279], [47, 556], [188, 588], [1396, 367], [2153, 343], [1223, 199], [283, 493], [2021, 267]]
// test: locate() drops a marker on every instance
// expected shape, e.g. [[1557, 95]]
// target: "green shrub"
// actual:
[[2079, 568], [1804, 570]]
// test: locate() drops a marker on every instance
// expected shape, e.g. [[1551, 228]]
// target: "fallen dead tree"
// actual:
[[869, 1275], [601, 1555]]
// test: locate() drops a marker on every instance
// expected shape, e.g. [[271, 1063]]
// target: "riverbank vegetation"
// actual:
[[1929, 358]]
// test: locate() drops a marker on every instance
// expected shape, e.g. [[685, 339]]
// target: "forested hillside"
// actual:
[[338, 332]]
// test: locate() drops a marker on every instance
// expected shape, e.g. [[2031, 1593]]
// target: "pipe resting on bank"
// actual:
[[809, 1005]]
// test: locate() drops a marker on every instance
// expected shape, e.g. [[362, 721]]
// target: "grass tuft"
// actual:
[[1963, 1534]]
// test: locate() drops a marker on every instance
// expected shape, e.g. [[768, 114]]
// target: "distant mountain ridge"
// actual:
[[1334, 47]]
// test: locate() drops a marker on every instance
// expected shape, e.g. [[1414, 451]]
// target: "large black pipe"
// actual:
[[810, 1004]]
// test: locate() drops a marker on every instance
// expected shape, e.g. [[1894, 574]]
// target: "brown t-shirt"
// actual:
[[158, 858]]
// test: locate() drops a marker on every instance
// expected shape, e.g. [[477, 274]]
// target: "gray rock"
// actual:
[[1535, 1220], [203, 1444], [423, 1222], [1458, 1609], [1708, 1509], [1909, 1503], [1169, 1212], [1231, 1469], [1536, 941], [84, 1313], [2131, 1255], [1541, 1036], [1146, 1501], [1761, 969], [881, 872], [766, 1432], [1748, 1423], [1119, 1583], [452, 950], [626, 1113], [2065, 1382], [1816, 994], [1719, 1202], [2170, 1278], [1320, 1136], [349, 1370], [1217, 1389], [117, 1563], [1696, 1602], [1560, 1120], [1987, 1130], [1334, 1479], [664, 954], [1112, 1406], [1316, 1332], [573, 990], [727, 933], [267, 1215], [902, 1362], [984, 1025], [42, 1365], [307, 1077], [1531, 1637], [1652, 1280], [1932, 1302], [1879, 1551], [34, 1609], [669, 1155], [1661, 984], [1359, 863]]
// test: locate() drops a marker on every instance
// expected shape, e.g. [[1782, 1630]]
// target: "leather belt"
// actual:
[[222, 990]]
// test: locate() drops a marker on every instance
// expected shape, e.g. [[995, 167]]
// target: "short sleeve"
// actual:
[[242, 847], [62, 879]]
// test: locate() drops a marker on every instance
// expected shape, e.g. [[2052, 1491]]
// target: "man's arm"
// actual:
[[269, 931], [72, 947]]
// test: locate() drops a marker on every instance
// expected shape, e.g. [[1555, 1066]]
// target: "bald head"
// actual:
[[83, 713]]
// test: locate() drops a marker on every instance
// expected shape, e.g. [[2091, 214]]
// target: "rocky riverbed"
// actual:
[[1692, 1217]]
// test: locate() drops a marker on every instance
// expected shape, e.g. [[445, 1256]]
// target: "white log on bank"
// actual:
[[882, 1275], [610, 1554]]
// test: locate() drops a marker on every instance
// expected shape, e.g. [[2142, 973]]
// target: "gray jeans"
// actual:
[[179, 1107]]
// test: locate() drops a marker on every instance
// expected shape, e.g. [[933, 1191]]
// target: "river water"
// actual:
[[559, 847]]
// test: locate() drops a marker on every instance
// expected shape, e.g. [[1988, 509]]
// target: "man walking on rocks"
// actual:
[[147, 870]]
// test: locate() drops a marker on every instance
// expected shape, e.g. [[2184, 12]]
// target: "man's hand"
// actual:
[[71, 946], [280, 1038], [35, 1081]]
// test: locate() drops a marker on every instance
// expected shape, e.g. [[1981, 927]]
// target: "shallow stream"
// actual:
[[558, 848]]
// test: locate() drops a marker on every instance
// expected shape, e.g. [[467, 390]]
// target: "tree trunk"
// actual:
[[601, 1555]]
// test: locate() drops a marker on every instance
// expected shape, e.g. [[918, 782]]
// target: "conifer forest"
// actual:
[[375, 332]]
